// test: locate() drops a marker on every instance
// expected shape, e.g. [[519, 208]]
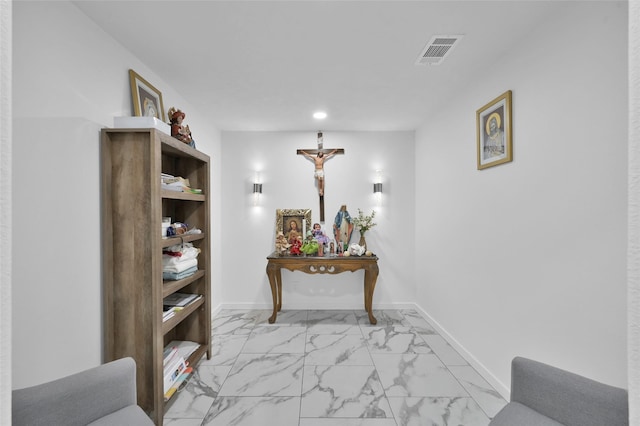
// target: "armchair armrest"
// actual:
[[78, 399], [568, 398]]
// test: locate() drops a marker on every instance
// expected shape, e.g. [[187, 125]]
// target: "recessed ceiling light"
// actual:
[[320, 115]]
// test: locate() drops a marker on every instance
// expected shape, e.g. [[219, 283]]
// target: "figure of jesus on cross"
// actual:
[[319, 159], [319, 156]]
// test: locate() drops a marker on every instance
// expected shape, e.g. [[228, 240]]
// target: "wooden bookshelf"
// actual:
[[133, 204]]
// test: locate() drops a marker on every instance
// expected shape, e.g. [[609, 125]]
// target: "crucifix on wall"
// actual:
[[319, 156]]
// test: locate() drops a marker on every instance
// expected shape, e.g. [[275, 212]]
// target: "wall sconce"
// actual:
[[257, 189], [377, 187]]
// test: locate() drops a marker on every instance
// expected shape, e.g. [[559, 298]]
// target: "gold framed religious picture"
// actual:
[[147, 100], [293, 223], [493, 122]]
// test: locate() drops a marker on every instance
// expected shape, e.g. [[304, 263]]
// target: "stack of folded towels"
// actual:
[[179, 261]]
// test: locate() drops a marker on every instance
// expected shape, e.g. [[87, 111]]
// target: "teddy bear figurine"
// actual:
[[178, 130]]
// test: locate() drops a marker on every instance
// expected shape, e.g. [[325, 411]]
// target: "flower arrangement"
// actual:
[[364, 223]]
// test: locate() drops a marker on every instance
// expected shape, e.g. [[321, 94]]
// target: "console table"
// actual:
[[321, 265]]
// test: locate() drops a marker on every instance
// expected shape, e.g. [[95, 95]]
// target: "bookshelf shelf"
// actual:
[[171, 323], [168, 242], [134, 204], [169, 287], [173, 195]]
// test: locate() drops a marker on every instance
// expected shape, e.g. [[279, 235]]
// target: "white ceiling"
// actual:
[[268, 65]]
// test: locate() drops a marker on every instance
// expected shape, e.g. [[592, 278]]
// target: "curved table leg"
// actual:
[[370, 278], [275, 281], [279, 285]]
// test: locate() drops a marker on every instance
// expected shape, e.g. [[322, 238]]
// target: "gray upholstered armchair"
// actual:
[[542, 395], [104, 395]]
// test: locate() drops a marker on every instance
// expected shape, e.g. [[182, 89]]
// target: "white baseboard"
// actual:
[[312, 305], [486, 374], [500, 387], [216, 309]]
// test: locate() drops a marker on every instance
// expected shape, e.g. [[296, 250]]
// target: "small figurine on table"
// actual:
[[295, 246], [281, 244], [319, 234], [178, 131], [320, 237], [310, 245]]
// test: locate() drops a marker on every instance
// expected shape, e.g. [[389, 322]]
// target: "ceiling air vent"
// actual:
[[438, 48]]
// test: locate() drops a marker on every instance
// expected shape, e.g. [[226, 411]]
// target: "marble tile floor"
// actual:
[[331, 368]]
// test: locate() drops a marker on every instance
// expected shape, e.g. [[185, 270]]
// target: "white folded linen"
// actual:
[[180, 266]]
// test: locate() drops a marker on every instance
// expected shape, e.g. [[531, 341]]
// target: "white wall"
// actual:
[[288, 183], [5, 211], [70, 79], [559, 298], [633, 255], [528, 258]]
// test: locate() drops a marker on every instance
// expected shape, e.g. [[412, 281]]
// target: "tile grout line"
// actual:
[[384, 391], [304, 363]]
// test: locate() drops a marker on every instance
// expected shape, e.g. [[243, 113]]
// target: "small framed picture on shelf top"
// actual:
[[147, 100]]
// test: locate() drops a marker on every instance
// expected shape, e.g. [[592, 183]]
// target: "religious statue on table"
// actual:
[[178, 131], [342, 227]]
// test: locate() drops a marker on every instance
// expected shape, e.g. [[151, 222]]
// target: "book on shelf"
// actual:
[[176, 188], [168, 179], [178, 184], [185, 347], [192, 190], [170, 312], [179, 300], [172, 371], [168, 354], [182, 188], [179, 384]]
